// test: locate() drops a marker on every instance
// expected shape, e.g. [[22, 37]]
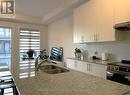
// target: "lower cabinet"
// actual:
[[86, 67], [99, 70], [71, 64]]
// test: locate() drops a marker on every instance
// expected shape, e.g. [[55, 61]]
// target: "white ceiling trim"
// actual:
[[21, 18]]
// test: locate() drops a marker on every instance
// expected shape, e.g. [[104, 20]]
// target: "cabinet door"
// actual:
[[105, 14], [87, 68], [79, 65], [99, 70], [122, 11], [90, 20], [85, 24], [84, 68], [94, 21], [74, 64], [70, 63]]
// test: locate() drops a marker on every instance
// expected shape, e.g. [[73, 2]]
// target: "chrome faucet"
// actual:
[[36, 64]]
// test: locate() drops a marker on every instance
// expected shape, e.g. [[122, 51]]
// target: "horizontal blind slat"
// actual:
[[29, 40]]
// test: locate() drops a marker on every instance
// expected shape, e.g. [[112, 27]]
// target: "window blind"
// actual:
[[29, 39]]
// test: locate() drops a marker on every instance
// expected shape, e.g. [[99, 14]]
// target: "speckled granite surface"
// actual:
[[97, 61], [30, 82]]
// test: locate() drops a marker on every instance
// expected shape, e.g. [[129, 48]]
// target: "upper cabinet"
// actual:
[[105, 30], [90, 21], [94, 21], [122, 11]]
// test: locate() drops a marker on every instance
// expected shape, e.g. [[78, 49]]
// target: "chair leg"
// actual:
[[15, 92], [2, 92]]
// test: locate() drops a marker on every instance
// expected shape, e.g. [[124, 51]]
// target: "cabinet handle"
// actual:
[[91, 67], [94, 37], [87, 67]]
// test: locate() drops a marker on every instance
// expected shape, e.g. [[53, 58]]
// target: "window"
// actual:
[[29, 39], [5, 32], [1, 33], [5, 45]]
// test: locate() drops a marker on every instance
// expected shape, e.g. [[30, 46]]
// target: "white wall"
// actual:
[[60, 33], [15, 38]]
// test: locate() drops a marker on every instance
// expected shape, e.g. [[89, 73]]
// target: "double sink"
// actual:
[[52, 69]]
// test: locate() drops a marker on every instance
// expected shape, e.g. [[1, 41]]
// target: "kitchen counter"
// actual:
[[30, 82], [95, 61]]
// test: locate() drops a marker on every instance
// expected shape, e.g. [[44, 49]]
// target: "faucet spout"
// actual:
[[36, 64]]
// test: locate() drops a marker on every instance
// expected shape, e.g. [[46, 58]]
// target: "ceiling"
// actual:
[[41, 11], [37, 8]]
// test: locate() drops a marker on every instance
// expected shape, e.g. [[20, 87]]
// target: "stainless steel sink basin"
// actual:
[[52, 69]]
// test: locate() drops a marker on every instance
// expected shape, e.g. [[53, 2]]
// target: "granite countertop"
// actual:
[[96, 61], [30, 82]]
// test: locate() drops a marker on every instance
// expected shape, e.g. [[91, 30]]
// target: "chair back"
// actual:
[[56, 53]]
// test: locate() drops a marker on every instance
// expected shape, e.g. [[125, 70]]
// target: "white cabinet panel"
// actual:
[[90, 20], [86, 67], [76, 65], [99, 70], [79, 65], [122, 11], [70, 63], [105, 31], [85, 22], [94, 21]]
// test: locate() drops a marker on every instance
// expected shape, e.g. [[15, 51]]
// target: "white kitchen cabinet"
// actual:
[[84, 67], [99, 70], [84, 23], [105, 19], [87, 67], [74, 64], [96, 69], [122, 11], [90, 21], [78, 65], [70, 63], [94, 22]]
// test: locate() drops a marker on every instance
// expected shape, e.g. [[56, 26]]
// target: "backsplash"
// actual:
[[117, 50]]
